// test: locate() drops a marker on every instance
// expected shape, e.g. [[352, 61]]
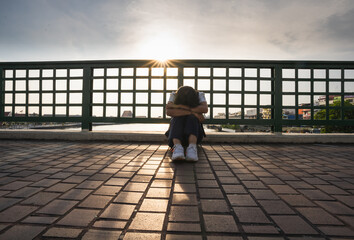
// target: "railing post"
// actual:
[[278, 112], [180, 76], [86, 124], [2, 95]]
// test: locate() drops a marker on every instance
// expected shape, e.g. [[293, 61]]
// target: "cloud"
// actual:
[[236, 29]]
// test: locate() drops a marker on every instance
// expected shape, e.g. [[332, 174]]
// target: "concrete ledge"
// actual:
[[160, 137]]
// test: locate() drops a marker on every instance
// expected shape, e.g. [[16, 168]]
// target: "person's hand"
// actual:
[[199, 116]]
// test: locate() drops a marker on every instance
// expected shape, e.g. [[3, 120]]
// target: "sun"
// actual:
[[161, 47]]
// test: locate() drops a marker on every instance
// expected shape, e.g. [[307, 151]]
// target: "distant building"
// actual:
[[220, 116], [322, 101], [289, 114], [266, 113], [350, 99], [304, 114], [235, 115], [251, 114], [127, 114]]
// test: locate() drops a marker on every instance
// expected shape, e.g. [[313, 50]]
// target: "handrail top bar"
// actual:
[[175, 62]]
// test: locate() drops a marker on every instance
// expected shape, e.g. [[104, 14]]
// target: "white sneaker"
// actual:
[[192, 153], [178, 153]]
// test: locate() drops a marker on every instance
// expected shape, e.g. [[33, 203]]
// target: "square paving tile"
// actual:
[[142, 236], [24, 192], [212, 193], [183, 227], [40, 220], [61, 232], [154, 205], [335, 207], [184, 214], [241, 200], [79, 217], [209, 205], [220, 223], [15, 213], [148, 221], [95, 201], [251, 215], [276, 207], [110, 224], [293, 225], [7, 202], [58, 207], [158, 193], [60, 187], [22, 232], [118, 211], [76, 194], [184, 199], [182, 237], [41, 198], [319, 216], [297, 200], [136, 187], [108, 190], [128, 197], [94, 234]]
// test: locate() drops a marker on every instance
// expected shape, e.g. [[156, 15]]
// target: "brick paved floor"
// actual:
[[107, 190]]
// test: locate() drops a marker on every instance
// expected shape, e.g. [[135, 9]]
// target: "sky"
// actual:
[[56, 30]]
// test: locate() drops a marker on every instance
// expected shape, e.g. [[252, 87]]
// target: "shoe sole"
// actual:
[[191, 160], [178, 159]]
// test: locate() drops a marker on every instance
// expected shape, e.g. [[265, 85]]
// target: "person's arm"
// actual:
[[201, 108], [174, 110]]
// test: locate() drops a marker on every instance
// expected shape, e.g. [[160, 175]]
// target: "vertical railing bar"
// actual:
[[243, 93], [164, 91], [149, 91], [258, 93], [342, 117], [27, 93], [54, 91], [211, 93], [40, 92], [13, 93], [227, 92], [278, 99], [119, 77], [180, 76], [297, 107], [2, 94], [67, 91], [104, 92], [327, 95], [134, 93], [86, 124], [312, 105]]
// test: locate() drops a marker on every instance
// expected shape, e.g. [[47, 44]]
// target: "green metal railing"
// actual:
[[268, 93]]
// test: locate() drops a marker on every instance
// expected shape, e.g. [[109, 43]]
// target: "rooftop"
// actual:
[[125, 190]]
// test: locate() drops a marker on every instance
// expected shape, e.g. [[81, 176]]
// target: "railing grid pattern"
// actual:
[[268, 93]]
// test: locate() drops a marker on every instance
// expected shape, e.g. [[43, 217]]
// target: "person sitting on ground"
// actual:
[[186, 107]]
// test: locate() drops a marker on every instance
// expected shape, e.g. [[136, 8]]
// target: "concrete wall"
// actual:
[[159, 137]]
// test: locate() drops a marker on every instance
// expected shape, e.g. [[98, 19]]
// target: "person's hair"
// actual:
[[187, 96]]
